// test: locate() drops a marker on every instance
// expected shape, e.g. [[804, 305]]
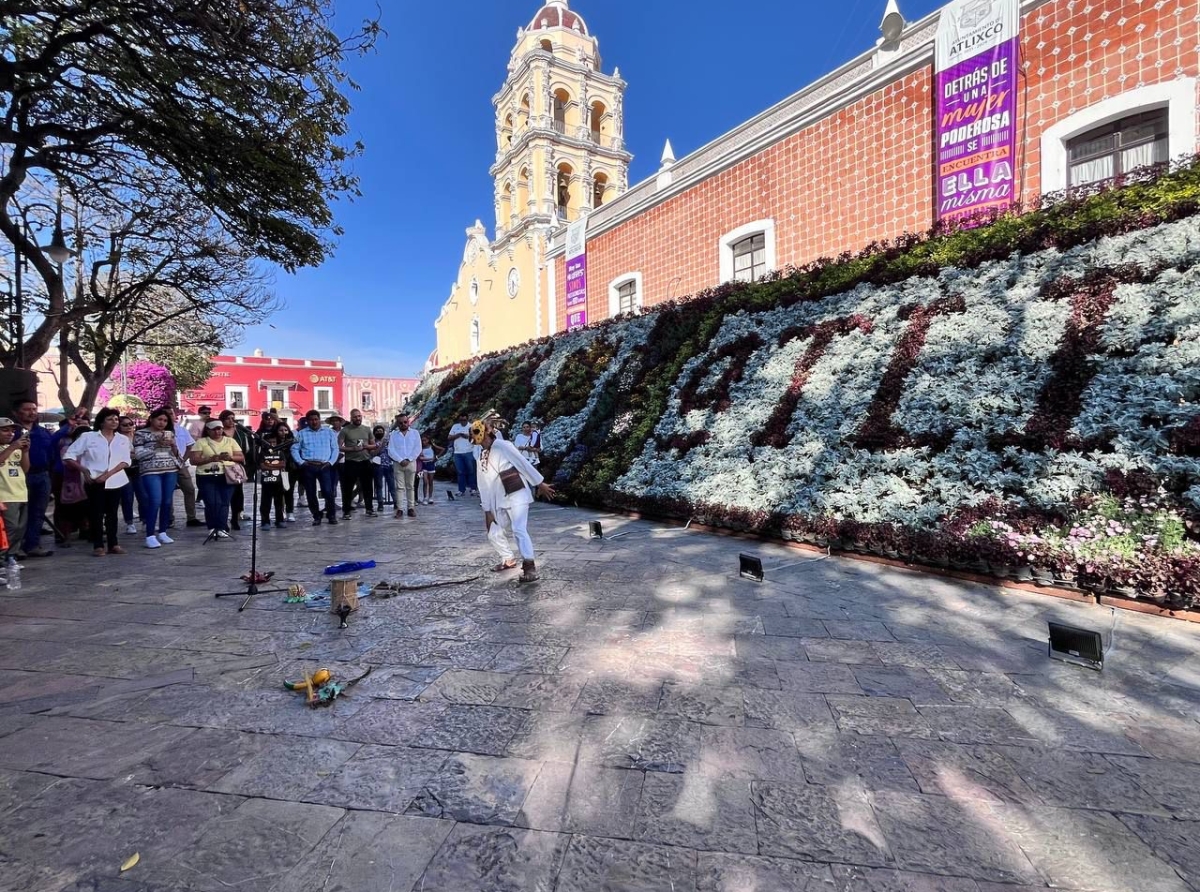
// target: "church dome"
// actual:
[[556, 15]]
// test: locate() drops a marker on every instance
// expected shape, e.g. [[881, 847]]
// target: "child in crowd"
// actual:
[[14, 496], [428, 460]]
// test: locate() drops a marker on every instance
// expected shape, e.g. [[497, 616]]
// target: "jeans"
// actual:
[[464, 468], [216, 492], [131, 493], [158, 491], [384, 481], [327, 479], [38, 487], [187, 486], [103, 505]]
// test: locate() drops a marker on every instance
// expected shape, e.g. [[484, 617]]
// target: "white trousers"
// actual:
[[511, 522]]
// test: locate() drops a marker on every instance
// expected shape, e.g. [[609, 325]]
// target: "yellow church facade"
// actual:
[[560, 154]]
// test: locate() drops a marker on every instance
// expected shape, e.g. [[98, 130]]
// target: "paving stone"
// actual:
[[1084, 850], [719, 872], [84, 748], [1166, 738], [964, 771], [936, 834], [916, 656], [575, 798], [1175, 842], [551, 693], [916, 685], [603, 865], [750, 753], [857, 630], [705, 705], [1174, 786], [473, 729], [496, 859], [818, 823], [1079, 780], [832, 759], [204, 757], [272, 772], [557, 736], [974, 688], [669, 745], [819, 678], [882, 879], [610, 696], [697, 810], [794, 627], [826, 650], [365, 851], [786, 710], [527, 658], [977, 724], [879, 715], [18, 787], [771, 647], [392, 722], [252, 848], [377, 778], [477, 789], [397, 682]]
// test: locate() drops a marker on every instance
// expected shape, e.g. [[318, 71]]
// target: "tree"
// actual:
[[150, 382], [238, 103], [190, 366], [166, 278]]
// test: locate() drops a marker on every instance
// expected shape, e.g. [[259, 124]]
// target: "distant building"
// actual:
[[250, 385], [379, 399]]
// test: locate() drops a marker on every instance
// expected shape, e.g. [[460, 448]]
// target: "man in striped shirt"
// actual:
[[316, 452]]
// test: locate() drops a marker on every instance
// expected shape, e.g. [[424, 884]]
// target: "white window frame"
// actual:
[[230, 390], [1177, 96], [614, 292], [366, 401], [317, 391], [475, 336], [731, 238], [285, 400]]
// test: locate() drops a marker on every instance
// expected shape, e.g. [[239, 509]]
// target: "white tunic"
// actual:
[[502, 456]]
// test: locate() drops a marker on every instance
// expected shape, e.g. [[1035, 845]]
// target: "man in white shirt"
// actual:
[[404, 448], [184, 481], [464, 455]]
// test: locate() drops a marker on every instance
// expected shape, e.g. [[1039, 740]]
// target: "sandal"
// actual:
[[505, 565]]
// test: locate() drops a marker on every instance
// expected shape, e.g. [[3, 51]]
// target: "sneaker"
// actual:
[[221, 534], [244, 516], [267, 525], [279, 525], [165, 539], [333, 521], [291, 518], [152, 542], [131, 529], [38, 552], [195, 523], [345, 515], [316, 521], [12, 564], [412, 512], [372, 514]]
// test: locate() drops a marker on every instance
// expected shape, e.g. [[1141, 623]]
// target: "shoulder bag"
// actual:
[[512, 481]]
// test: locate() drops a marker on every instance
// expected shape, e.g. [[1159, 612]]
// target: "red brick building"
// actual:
[[249, 385], [1103, 85]]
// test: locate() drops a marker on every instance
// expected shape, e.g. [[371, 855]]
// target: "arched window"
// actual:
[[1112, 150], [597, 121], [547, 46], [523, 191], [625, 294], [523, 112], [475, 334], [562, 191], [561, 100], [748, 252], [599, 187], [506, 205], [750, 258], [507, 131]]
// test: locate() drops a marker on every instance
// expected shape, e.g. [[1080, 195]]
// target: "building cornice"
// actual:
[[526, 65], [860, 77], [552, 138]]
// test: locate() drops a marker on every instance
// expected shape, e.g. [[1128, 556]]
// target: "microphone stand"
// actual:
[[252, 588]]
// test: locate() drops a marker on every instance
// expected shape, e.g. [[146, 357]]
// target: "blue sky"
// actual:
[[694, 69]]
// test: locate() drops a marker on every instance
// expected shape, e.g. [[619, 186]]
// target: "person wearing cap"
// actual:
[[244, 437], [505, 478], [102, 456], [14, 492], [315, 450], [211, 455]]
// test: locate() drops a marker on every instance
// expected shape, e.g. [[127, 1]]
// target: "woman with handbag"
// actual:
[[158, 462], [218, 460], [244, 437], [503, 473], [101, 457]]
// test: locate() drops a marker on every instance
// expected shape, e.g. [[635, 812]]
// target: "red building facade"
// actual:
[[250, 385], [379, 399], [849, 160]]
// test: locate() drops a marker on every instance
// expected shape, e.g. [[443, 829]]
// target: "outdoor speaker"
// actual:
[[595, 531], [16, 385], [1071, 644], [750, 567]]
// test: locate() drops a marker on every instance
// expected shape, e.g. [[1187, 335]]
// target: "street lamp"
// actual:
[[58, 253], [57, 249]]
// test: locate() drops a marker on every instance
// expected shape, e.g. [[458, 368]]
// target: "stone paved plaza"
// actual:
[[642, 720]]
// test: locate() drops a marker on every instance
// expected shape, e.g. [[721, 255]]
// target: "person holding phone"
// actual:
[[102, 457], [14, 494]]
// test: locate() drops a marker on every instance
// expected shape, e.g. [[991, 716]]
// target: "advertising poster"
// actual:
[[577, 275], [975, 129]]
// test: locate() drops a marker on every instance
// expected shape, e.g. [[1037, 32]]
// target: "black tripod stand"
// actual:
[[253, 579]]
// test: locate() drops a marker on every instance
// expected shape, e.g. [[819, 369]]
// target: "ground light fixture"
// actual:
[[595, 531], [1081, 647], [449, 495], [750, 567]]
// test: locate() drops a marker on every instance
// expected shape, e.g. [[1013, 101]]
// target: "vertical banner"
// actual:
[[976, 128], [577, 275]]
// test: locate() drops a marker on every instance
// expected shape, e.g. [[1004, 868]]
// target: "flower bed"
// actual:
[[1021, 399]]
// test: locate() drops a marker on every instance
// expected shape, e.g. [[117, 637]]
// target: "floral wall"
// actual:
[[1020, 398]]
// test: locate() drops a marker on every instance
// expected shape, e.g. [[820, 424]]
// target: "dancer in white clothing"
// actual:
[[503, 474]]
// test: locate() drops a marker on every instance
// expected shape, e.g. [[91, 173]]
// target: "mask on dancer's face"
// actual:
[[479, 430]]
